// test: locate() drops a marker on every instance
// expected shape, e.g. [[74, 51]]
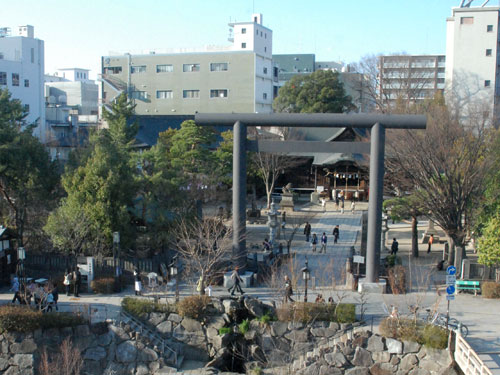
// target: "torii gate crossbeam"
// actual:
[[376, 122]]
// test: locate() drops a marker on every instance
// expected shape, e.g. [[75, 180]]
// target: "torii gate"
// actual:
[[377, 123]]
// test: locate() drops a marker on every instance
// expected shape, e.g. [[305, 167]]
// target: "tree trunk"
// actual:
[[414, 237], [202, 285], [451, 250]]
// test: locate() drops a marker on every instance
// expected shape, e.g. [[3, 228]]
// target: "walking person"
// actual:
[[15, 288], [307, 231], [323, 204], [429, 244], [49, 300], [337, 202], [314, 242], [324, 240], [67, 280], [288, 290], [236, 279], [353, 206], [266, 244], [336, 234], [394, 247], [77, 277], [137, 283], [55, 296], [342, 205]]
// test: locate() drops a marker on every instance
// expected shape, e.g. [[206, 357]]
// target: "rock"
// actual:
[[141, 369], [119, 332], [66, 331], [250, 335], [5, 347], [394, 360], [104, 339], [382, 369], [448, 371], [394, 346], [381, 357], [360, 341], [166, 370], [411, 347], [153, 366], [147, 355], [302, 347], [165, 327], [126, 352], [278, 328], [334, 326], [216, 322], [325, 370], [310, 370], [419, 371], [27, 346], [362, 357], [14, 370], [4, 363], [156, 318], [82, 343], [357, 371], [375, 344], [191, 325], [91, 367], [114, 368], [95, 354], [22, 360], [82, 330], [408, 362], [336, 359], [429, 365], [176, 318], [256, 353], [440, 356], [347, 350], [255, 307], [230, 306], [299, 335], [295, 325]]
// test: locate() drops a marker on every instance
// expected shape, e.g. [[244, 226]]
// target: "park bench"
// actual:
[[468, 285]]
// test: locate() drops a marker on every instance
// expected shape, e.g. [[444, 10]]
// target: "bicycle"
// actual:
[[439, 320]]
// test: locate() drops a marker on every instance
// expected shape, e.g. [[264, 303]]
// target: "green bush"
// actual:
[[256, 371], [224, 330], [490, 289], [266, 318], [244, 326], [307, 312], [193, 306], [435, 337], [393, 260], [26, 319], [140, 306], [105, 285]]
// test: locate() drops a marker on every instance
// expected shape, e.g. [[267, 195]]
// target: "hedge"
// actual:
[[425, 334], [307, 312]]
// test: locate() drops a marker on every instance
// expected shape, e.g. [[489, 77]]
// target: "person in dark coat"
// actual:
[[394, 247], [236, 279], [77, 277], [288, 290], [336, 234], [307, 231]]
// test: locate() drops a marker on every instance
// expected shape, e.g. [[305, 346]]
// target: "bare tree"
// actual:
[[204, 245], [446, 165], [68, 361]]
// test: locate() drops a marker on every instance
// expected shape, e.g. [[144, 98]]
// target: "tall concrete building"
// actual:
[[22, 72], [472, 58], [235, 78], [411, 78]]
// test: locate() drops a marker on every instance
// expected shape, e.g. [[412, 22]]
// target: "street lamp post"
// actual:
[[21, 256], [116, 257], [306, 275], [173, 273]]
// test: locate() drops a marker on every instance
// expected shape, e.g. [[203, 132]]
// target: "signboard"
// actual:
[[450, 297], [358, 259], [451, 270], [451, 279], [450, 289]]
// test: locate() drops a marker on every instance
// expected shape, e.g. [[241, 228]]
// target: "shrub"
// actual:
[[435, 337], [105, 285], [140, 306], [490, 289], [224, 330], [306, 312], [345, 313], [266, 318], [393, 260], [244, 326], [397, 279], [256, 371], [193, 306], [26, 319], [389, 327]]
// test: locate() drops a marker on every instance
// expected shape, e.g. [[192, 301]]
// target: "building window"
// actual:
[[488, 52], [164, 94], [32, 55], [265, 35], [191, 67], [264, 95], [166, 68], [113, 70], [275, 71], [489, 28], [218, 67], [440, 80], [191, 94], [243, 45], [142, 95], [487, 83], [26, 83], [243, 31], [138, 69], [27, 107], [15, 79], [220, 93], [466, 20], [265, 49], [3, 78], [1, 56], [265, 70]]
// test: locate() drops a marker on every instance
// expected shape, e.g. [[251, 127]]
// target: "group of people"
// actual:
[[395, 245], [44, 297], [73, 279], [324, 237]]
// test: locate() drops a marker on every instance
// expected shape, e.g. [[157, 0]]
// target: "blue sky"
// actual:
[[77, 33]]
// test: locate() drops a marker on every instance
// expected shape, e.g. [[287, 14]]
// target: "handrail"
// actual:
[[468, 359], [150, 332]]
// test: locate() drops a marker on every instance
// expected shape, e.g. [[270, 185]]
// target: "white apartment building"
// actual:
[[234, 78], [472, 58], [22, 72]]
